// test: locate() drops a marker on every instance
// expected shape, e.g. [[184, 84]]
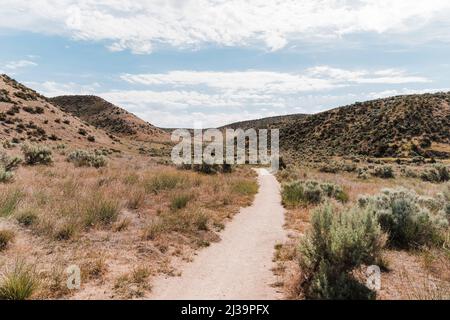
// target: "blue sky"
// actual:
[[176, 63]]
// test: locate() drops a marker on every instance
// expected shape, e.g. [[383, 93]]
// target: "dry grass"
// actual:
[[6, 237], [133, 211]]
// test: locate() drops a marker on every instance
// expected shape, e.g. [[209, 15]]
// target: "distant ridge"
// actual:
[[107, 116], [400, 126]]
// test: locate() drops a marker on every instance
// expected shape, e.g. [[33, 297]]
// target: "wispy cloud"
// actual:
[[252, 81], [14, 65], [53, 89], [142, 25]]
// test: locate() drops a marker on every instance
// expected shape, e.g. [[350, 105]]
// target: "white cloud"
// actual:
[[53, 89], [142, 25], [385, 76], [13, 65], [252, 81]]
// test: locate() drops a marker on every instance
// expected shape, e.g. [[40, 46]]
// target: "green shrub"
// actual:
[[438, 173], [363, 173], [338, 243], [5, 176], [401, 215], [206, 168], [385, 172], [36, 154], [82, 158], [19, 283], [311, 192], [7, 166], [6, 236], [331, 167], [179, 201], [9, 163]]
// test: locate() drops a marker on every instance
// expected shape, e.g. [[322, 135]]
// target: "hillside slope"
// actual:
[[27, 116], [401, 126], [266, 123], [105, 115]]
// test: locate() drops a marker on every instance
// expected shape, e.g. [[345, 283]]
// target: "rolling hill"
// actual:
[[401, 126], [105, 115], [27, 116]]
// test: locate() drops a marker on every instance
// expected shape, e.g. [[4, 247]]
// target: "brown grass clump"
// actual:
[[6, 237], [134, 284], [134, 211]]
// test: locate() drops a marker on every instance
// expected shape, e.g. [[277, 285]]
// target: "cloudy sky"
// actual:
[[179, 62]]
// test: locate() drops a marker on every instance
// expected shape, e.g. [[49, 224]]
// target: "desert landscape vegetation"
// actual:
[[86, 183]]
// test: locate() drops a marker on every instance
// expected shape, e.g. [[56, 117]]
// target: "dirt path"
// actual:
[[239, 266]]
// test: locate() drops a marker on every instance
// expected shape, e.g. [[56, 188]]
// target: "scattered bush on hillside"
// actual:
[[7, 166], [331, 167], [335, 167], [403, 215], [83, 158], [384, 172], [311, 192], [36, 154], [208, 168], [4, 96], [363, 173], [438, 173], [338, 243]]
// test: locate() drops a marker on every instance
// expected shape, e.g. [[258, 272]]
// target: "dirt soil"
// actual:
[[239, 266]]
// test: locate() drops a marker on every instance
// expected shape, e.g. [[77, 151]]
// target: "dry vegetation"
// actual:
[[121, 223], [403, 229]]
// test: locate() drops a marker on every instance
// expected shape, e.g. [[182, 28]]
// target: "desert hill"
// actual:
[[27, 116], [105, 115], [401, 126]]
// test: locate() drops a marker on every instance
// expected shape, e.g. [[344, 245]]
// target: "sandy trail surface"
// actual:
[[239, 266]]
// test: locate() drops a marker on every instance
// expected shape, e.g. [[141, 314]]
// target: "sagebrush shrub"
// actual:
[[310, 192], [385, 172], [402, 214], [7, 166], [438, 173], [338, 243], [83, 158], [5, 176], [206, 168], [36, 154]]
